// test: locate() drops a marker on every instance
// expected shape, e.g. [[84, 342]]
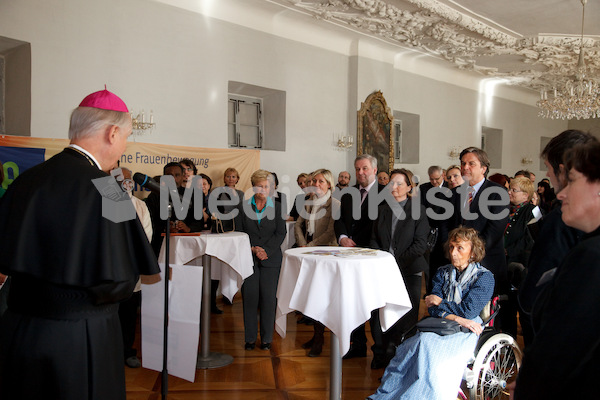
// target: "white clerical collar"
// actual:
[[87, 153]]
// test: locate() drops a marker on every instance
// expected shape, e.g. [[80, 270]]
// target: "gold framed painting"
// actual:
[[375, 131]]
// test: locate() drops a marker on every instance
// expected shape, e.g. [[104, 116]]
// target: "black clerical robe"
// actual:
[[70, 266]]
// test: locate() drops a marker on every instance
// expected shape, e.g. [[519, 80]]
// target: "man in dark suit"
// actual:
[[436, 257], [484, 206], [352, 232]]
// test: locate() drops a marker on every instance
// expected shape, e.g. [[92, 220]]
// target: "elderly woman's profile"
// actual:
[[429, 365]]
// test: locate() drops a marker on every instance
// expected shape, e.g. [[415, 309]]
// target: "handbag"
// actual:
[[219, 227], [432, 238], [441, 326]]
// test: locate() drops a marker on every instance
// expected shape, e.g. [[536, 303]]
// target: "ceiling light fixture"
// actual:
[[139, 124], [579, 96]]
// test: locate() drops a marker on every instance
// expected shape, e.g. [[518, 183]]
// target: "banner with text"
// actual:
[[17, 154]]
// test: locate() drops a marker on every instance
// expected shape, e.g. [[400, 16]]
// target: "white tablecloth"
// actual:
[[232, 258], [340, 292], [290, 237]]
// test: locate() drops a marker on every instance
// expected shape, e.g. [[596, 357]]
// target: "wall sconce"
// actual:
[[454, 153], [526, 160], [343, 143], [139, 124]]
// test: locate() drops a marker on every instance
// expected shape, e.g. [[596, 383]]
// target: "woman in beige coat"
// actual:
[[314, 227]]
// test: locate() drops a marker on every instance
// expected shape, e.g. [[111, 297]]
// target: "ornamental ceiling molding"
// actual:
[[444, 32]]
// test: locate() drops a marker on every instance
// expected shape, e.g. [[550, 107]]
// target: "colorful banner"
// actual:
[[17, 154]]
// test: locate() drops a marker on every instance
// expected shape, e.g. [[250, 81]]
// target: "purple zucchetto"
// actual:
[[104, 100]]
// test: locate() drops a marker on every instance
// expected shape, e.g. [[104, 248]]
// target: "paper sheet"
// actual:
[[184, 321]]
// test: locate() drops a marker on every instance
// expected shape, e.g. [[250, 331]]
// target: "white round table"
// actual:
[[339, 287], [232, 251]]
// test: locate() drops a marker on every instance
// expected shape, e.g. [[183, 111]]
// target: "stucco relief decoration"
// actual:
[[444, 32]]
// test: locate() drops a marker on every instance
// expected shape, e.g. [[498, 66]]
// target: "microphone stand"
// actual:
[[165, 374]]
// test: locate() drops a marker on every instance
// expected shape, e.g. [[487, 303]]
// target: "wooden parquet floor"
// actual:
[[282, 373]]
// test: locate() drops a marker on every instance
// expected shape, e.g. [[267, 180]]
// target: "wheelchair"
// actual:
[[495, 362]]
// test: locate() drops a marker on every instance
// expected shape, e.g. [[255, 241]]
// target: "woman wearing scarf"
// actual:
[[314, 227], [401, 230], [428, 365]]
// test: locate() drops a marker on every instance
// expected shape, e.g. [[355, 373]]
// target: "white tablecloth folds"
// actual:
[[290, 236], [340, 289], [231, 254], [232, 258]]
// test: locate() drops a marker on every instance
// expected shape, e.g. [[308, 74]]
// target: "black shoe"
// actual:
[[378, 362], [215, 310], [355, 352], [249, 346], [308, 344], [265, 346], [316, 349], [133, 362]]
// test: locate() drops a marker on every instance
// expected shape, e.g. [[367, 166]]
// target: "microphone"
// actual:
[[147, 182]]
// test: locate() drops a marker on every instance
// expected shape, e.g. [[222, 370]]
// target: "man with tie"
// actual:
[[357, 233], [483, 205]]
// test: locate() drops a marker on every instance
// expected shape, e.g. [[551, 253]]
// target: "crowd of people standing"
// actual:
[[464, 235]]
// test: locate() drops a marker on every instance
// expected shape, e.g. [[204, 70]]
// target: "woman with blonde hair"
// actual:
[[261, 218], [454, 177], [228, 192], [314, 227], [517, 240]]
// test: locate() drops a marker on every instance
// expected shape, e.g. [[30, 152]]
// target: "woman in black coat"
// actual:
[[517, 239], [401, 230], [518, 243]]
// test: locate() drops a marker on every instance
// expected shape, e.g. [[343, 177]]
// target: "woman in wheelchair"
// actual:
[[430, 365]]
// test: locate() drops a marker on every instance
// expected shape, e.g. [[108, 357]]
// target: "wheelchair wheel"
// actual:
[[496, 365]]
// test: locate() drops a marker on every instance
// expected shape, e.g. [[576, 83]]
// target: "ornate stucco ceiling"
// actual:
[[533, 44]]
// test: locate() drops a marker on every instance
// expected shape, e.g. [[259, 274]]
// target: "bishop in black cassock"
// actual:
[[70, 267]]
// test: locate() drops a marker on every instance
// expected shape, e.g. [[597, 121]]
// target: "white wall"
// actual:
[[178, 63]]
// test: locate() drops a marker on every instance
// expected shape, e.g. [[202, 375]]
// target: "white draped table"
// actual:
[[231, 256], [290, 236], [340, 290]]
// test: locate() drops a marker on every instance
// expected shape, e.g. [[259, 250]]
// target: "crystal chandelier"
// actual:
[[579, 97]]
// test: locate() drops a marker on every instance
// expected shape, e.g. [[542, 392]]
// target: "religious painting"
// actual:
[[375, 131]]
